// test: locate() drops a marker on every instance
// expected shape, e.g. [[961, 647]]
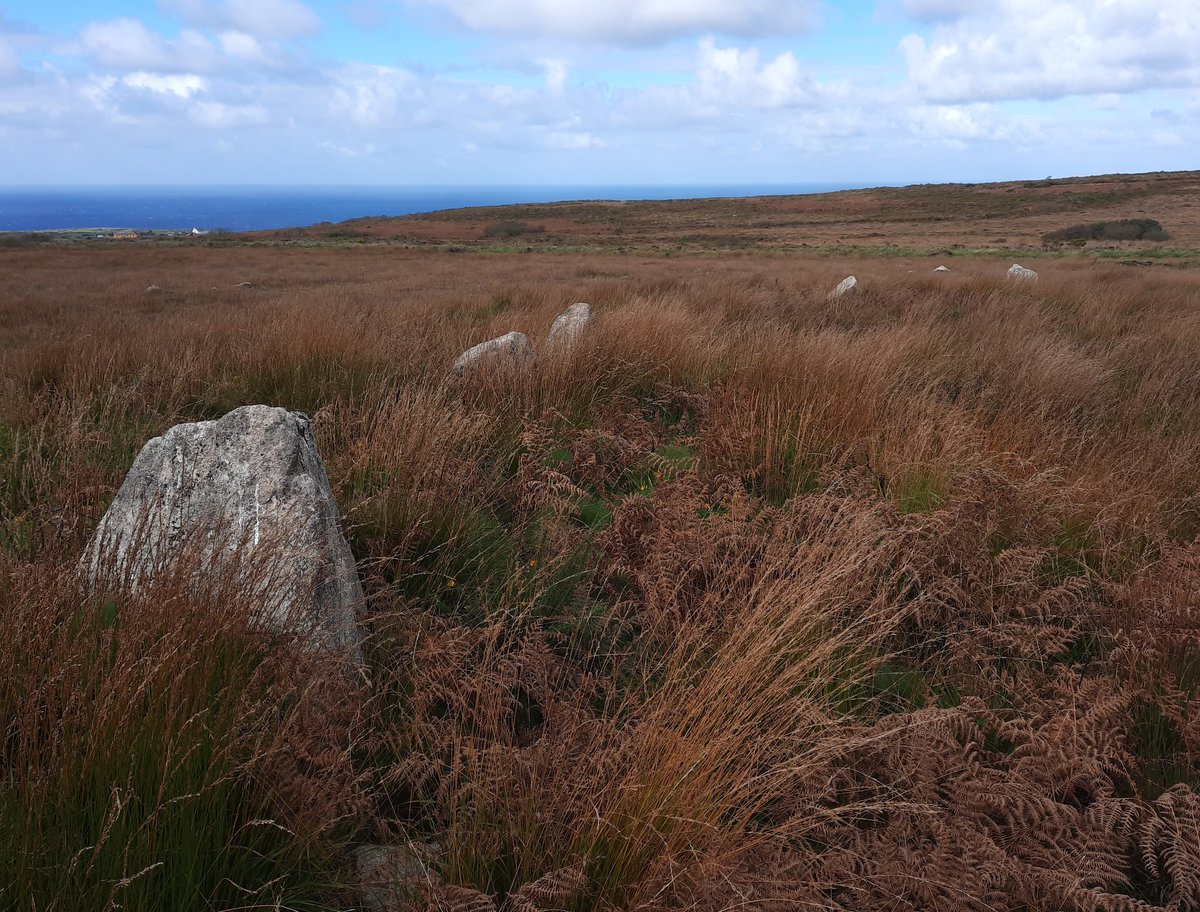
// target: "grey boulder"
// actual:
[[242, 501], [942, 269], [513, 350], [1019, 273], [569, 327], [848, 286]]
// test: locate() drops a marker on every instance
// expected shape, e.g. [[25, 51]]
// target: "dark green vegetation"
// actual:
[[1119, 230], [510, 228]]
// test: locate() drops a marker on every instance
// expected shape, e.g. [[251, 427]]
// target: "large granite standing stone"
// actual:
[[569, 327], [847, 287], [241, 501], [1019, 273], [513, 350]]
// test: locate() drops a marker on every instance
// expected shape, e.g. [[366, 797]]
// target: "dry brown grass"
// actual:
[[761, 599]]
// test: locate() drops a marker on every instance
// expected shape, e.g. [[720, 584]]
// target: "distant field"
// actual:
[[757, 600], [929, 219]]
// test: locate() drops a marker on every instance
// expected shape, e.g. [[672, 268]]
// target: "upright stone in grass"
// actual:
[[242, 503], [1019, 273], [513, 350], [848, 286], [569, 327]]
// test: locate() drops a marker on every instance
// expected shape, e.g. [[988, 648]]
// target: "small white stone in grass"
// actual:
[[1019, 273], [848, 286]]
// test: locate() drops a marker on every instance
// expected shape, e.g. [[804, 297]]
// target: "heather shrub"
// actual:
[[1118, 230]]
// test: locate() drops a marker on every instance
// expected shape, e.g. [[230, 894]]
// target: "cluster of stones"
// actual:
[[244, 502], [155, 289], [514, 350], [850, 285]]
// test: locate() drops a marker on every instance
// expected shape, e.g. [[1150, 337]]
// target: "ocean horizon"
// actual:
[[257, 208]]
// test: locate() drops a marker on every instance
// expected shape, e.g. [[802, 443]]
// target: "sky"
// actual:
[[393, 92]]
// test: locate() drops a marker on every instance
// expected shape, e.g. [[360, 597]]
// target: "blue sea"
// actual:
[[257, 208]]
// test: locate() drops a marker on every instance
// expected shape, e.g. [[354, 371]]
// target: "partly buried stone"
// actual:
[[942, 269], [393, 877], [848, 286], [244, 502], [1021, 274], [570, 326], [152, 289], [513, 350]]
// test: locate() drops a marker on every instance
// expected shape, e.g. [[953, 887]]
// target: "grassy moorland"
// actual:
[[936, 219], [759, 600]]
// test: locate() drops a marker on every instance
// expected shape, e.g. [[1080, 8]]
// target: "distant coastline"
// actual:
[[180, 209]]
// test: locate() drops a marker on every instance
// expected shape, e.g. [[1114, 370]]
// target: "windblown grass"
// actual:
[[757, 599]]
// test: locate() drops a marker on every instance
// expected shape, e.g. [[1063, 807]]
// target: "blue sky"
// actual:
[[594, 91]]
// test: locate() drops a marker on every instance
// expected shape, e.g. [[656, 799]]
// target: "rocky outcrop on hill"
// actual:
[[243, 500]]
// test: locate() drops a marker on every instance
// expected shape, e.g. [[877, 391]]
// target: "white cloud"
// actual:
[[10, 58], [935, 10], [218, 115], [962, 124], [632, 21], [365, 151], [272, 20], [1054, 48], [368, 15], [243, 49], [181, 85], [126, 44], [10, 63], [556, 75], [740, 107], [573, 140], [376, 96], [730, 75]]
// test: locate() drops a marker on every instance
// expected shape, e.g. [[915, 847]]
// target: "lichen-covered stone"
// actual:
[[1019, 273], [569, 327], [512, 350], [245, 500], [848, 286]]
